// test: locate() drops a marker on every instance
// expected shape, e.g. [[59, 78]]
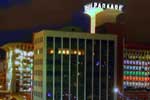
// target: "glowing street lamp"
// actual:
[[92, 12]]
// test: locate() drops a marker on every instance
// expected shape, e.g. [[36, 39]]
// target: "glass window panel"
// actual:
[[111, 61], [49, 69], [89, 69], [103, 69], [73, 68], [96, 68], [57, 69], [65, 69], [81, 70]]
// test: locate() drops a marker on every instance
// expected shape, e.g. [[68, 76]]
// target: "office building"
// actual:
[[74, 66], [19, 59]]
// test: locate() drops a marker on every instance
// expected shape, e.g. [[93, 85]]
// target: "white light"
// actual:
[[28, 69], [29, 89], [20, 68], [25, 53], [17, 62], [67, 52], [17, 51], [59, 52], [31, 60], [20, 57], [75, 52], [116, 90], [30, 53], [79, 52], [64, 52]]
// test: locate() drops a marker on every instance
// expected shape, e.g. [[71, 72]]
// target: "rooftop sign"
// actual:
[[101, 5], [94, 8]]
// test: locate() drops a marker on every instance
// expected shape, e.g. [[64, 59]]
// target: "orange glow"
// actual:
[[124, 78], [134, 78], [51, 51]]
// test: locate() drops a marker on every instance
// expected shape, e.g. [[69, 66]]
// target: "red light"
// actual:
[[146, 79], [124, 78], [127, 77], [137, 79], [140, 78], [134, 78]]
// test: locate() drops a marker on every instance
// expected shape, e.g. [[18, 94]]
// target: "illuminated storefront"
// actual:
[[19, 67], [74, 66]]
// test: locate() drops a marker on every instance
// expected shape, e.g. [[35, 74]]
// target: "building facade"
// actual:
[[74, 66], [19, 59], [137, 72], [2, 74]]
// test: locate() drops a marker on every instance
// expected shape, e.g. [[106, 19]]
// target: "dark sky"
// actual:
[[19, 18], [29, 14]]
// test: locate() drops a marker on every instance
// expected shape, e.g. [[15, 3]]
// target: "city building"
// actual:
[[2, 70], [117, 29], [19, 60], [74, 66], [137, 72]]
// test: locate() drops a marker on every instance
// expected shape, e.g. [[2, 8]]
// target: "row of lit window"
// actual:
[[23, 61], [25, 90], [134, 78], [26, 85], [136, 84], [135, 57], [136, 73], [136, 62], [67, 52], [24, 74], [25, 69], [24, 53], [136, 68]]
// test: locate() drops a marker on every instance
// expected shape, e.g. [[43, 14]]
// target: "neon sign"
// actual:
[[103, 6], [94, 8]]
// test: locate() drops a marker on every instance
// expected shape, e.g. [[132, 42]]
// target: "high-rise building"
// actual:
[[74, 66], [137, 72], [19, 59]]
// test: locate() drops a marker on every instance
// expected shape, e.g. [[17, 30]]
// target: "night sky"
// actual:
[[19, 18]]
